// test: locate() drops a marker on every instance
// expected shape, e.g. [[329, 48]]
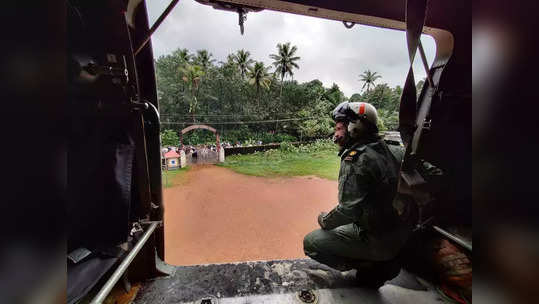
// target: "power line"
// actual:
[[238, 122], [224, 115]]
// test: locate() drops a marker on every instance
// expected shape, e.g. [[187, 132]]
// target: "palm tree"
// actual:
[[203, 59], [368, 78], [230, 60], [228, 67], [192, 74], [181, 58], [259, 77], [285, 61], [243, 61], [183, 55]]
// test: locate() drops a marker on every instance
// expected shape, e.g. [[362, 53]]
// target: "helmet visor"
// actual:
[[343, 112]]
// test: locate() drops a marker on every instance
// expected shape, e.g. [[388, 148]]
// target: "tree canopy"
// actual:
[[241, 58], [244, 99], [260, 78]]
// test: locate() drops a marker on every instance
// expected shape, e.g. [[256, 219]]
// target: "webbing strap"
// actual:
[[410, 181], [415, 18], [425, 102], [414, 111]]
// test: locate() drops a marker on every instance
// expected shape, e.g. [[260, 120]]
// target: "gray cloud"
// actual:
[[329, 52]]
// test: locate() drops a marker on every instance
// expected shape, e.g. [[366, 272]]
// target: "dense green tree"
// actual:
[[334, 95], [368, 78], [389, 120], [219, 95], [260, 78], [242, 60], [203, 58], [386, 100], [169, 138], [228, 68], [355, 97], [285, 61], [170, 86], [381, 96], [192, 75], [183, 55]]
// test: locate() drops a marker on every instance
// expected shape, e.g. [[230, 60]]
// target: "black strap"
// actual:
[[425, 101], [413, 182], [143, 175], [415, 18], [414, 112]]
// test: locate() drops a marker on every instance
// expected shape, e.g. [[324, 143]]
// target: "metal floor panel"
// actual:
[[388, 294], [270, 282]]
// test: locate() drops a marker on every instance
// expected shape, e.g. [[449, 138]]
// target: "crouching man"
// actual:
[[363, 231]]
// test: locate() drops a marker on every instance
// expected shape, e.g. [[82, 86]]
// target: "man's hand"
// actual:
[[333, 219], [321, 219]]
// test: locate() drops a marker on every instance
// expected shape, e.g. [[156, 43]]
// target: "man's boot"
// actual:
[[377, 273]]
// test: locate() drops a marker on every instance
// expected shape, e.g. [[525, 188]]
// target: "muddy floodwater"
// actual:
[[219, 216]]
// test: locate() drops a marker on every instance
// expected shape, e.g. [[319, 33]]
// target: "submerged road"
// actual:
[[219, 216]]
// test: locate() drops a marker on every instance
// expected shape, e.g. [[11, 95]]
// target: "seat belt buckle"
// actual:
[[427, 124]]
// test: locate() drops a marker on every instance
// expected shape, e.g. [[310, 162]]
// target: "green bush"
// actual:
[[249, 141], [198, 137], [266, 138], [283, 138], [320, 145], [323, 145], [169, 138], [241, 134], [288, 147]]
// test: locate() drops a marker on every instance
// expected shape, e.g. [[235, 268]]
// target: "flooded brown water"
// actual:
[[219, 216]]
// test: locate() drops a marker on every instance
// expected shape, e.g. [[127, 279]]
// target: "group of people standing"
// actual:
[[200, 153]]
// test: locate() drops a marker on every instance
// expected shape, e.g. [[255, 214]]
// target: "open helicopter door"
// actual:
[[114, 190]]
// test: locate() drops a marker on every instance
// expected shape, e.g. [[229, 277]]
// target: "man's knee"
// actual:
[[318, 246], [309, 243], [314, 242]]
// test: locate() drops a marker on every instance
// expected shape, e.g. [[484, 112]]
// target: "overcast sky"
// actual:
[[329, 52]]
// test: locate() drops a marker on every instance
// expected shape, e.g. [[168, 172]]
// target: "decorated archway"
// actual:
[[194, 127]]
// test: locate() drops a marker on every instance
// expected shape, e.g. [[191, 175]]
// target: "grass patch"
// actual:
[[319, 159], [173, 178]]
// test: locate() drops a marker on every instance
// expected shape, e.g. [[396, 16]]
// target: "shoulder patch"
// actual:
[[352, 155]]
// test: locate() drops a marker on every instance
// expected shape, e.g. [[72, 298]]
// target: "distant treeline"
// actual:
[[247, 101]]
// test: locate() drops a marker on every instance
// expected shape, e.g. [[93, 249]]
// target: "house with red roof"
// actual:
[[172, 160]]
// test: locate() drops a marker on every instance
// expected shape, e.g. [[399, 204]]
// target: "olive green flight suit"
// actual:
[[364, 226]]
